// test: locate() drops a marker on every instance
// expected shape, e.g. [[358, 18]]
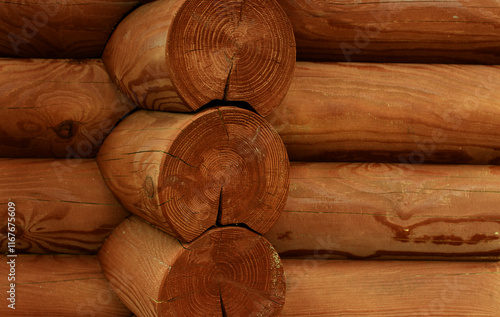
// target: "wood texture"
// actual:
[[390, 211], [391, 288], [186, 172], [400, 113], [451, 31], [227, 271], [179, 55], [56, 108], [59, 286], [62, 206], [59, 29]]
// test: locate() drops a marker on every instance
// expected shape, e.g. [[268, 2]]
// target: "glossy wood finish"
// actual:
[[59, 29], [56, 108], [390, 211], [401, 113], [59, 286], [452, 31], [179, 55], [391, 288], [61, 206], [186, 172], [227, 271]]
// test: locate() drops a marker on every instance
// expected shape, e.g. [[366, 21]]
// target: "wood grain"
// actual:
[[451, 31], [400, 113], [186, 172], [59, 286], [390, 211], [56, 108], [61, 206], [59, 29], [180, 55], [391, 288], [227, 271]]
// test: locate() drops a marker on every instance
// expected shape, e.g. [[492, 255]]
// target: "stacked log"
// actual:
[[188, 172], [180, 55], [59, 206], [455, 31], [57, 108], [227, 271], [59, 29]]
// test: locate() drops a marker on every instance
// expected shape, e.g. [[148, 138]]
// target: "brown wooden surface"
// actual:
[[226, 272], [391, 288], [454, 31], [185, 172], [61, 206], [56, 108], [59, 29], [59, 286], [179, 55], [400, 113], [390, 211]]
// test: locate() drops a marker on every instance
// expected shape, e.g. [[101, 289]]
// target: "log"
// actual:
[[60, 206], [179, 55], [56, 108], [228, 271], [186, 172], [57, 286], [455, 31], [391, 288], [59, 29], [390, 211], [399, 113]]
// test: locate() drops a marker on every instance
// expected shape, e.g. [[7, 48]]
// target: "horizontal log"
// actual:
[[186, 172], [399, 113], [455, 31], [179, 55], [57, 286], [59, 29], [59, 206], [56, 108], [227, 271], [390, 211], [391, 288]]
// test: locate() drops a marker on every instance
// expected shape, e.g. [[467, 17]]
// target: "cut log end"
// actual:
[[228, 271], [233, 51]]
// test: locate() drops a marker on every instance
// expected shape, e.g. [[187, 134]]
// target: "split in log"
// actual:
[[57, 286], [390, 211], [59, 29], [60, 206], [56, 108], [399, 113], [179, 55], [455, 31], [228, 271], [391, 288], [186, 172]]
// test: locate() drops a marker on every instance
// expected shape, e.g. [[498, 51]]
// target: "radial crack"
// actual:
[[223, 309], [219, 210]]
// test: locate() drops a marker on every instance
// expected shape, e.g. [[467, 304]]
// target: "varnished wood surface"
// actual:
[[179, 55], [186, 172], [390, 211], [59, 286], [451, 31], [227, 271], [61, 206], [56, 108], [401, 113], [391, 288], [59, 29]]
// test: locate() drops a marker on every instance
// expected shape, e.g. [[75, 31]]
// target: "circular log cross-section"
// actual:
[[227, 271], [179, 55], [188, 172]]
